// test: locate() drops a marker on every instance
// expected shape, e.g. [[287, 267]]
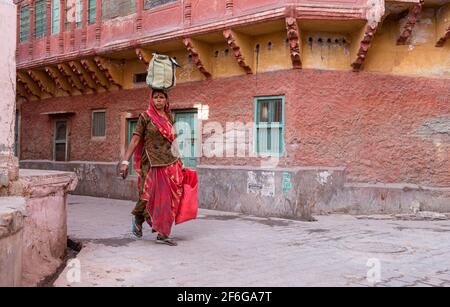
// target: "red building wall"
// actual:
[[367, 122]]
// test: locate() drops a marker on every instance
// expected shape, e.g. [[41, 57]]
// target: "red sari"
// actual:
[[163, 187]]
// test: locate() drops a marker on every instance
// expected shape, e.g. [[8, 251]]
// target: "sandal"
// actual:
[[136, 228], [168, 241]]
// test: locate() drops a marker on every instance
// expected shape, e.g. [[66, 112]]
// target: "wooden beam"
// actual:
[[96, 74], [293, 36], [72, 78], [84, 77], [242, 49], [200, 54], [60, 80], [363, 44], [112, 71], [30, 86], [42, 80], [413, 15], [144, 55]]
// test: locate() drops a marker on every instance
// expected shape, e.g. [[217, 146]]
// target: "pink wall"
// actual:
[[375, 125]]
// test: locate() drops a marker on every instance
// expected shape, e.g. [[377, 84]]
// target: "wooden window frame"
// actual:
[[270, 152], [66, 158], [97, 137]]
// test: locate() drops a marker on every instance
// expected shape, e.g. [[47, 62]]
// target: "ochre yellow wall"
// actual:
[[322, 50], [325, 50], [130, 68], [278, 57], [224, 65], [188, 71], [419, 58]]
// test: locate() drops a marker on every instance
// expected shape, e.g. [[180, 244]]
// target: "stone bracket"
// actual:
[[111, 70], [144, 55], [364, 45], [293, 35], [29, 84], [444, 38], [84, 77], [413, 16], [71, 77], [443, 25], [242, 49], [42, 80], [95, 73], [60, 81], [21, 91], [200, 54]]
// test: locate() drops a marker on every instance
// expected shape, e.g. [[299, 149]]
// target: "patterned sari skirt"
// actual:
[[160, 192]]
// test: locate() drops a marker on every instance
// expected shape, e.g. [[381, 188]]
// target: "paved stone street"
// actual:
[[229, 249]]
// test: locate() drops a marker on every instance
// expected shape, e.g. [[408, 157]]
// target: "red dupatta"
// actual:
[[165, 128]]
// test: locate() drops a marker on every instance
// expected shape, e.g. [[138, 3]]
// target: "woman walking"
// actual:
[[159, 169]]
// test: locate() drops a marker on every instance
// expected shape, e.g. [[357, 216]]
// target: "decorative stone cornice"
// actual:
[[143, 55], [110, 71], [444, 38], [193, 51], [60, 81], [412, 18], [293, 35], [233, 43], [365, 44], [187, 13]]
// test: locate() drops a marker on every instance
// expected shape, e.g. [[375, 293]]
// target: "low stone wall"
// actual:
[[302, 191], [280, 192], [98, 179], [283, 192], [356, 198], [12, 211]]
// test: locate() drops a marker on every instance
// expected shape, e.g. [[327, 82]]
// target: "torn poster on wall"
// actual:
[[262, 183]]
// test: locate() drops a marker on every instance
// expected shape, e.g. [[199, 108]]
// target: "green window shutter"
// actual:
[[131, 125], [79, 13], [92, 14], [24, 23], [55, 16], [269, 125], [40, 18]]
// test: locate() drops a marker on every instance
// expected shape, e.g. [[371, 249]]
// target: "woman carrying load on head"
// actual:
[[159, 169]]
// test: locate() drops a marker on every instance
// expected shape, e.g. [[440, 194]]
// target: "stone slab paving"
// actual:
[[230, 249]]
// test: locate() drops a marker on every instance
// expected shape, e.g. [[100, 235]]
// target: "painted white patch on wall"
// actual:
[[322, 177]]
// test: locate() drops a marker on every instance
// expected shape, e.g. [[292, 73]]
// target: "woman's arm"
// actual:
[[123, 167]]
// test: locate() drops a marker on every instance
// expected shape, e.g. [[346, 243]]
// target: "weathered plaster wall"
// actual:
[[419, 57], [8, 163], [44, 239], [12, 212], [382, 128]]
